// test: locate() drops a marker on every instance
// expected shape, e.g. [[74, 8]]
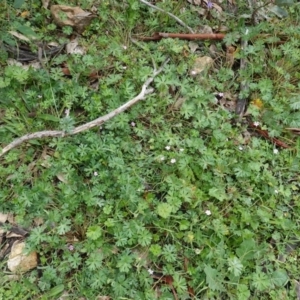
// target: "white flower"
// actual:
[[173, 161], [150, 271], [256, 124], [275, 151], [124, 67], [39, 96], [124, 47], [276, 192], [67, 112], [197, 251], [193, 72], [132, 124], [162, 158], [221, 95], [241, 148], [95, 173], [208, 212], [167, 147], [181, 149]]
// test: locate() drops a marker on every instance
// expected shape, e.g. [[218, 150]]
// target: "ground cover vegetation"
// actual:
[[163, 201]]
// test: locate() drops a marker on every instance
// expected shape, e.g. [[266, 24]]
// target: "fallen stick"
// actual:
[[242, 101], [184, 36], [203, 36], [97, 122], [265, 134]]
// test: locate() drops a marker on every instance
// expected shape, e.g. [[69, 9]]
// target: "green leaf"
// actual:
[[213, 279], [246, 250], [284, 2], [4, 82], [18, 3], [169, 252], [155, 249], [243, 292], [179, 283], [280, 278], [26, 30], [279, 12], [94, 232], [164, 210], [124, 262], [235, 266], [54, 293], [220, 228], [261, 281], [184, 225], [144, 237], [64, 226], [48, 117], [218, 193]]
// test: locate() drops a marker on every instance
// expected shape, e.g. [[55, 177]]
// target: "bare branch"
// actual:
[[169, 14], [145, 90]]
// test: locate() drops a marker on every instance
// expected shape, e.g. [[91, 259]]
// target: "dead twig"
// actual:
[[206, 36], [265, 134], [169, 14], [242, 101], [145, 90], [184, 36]]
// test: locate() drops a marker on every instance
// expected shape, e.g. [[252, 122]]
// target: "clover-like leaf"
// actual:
[[164, 210]]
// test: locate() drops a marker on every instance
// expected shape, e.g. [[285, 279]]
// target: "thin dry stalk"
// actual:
[[145, 90]]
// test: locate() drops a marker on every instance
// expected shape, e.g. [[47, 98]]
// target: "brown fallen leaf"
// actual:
[[18, 261], [3, 217], [45, 3], [230, 57], [71, 16], [201, 64]]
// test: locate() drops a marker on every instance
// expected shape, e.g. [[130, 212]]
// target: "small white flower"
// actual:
[[167, 147], [208, 212], [150, 271], [173, 161], [162, 158], [181, 149], [276, 191], [67, 112], [256, 124], [197, 251], [95, 173], [132, 124], [124, 47], [275, 151], [39, 96], [221, 95], [193, 72], [241, 148], [124, 67]]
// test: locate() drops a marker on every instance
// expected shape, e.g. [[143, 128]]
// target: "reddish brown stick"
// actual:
[[266, 135]]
